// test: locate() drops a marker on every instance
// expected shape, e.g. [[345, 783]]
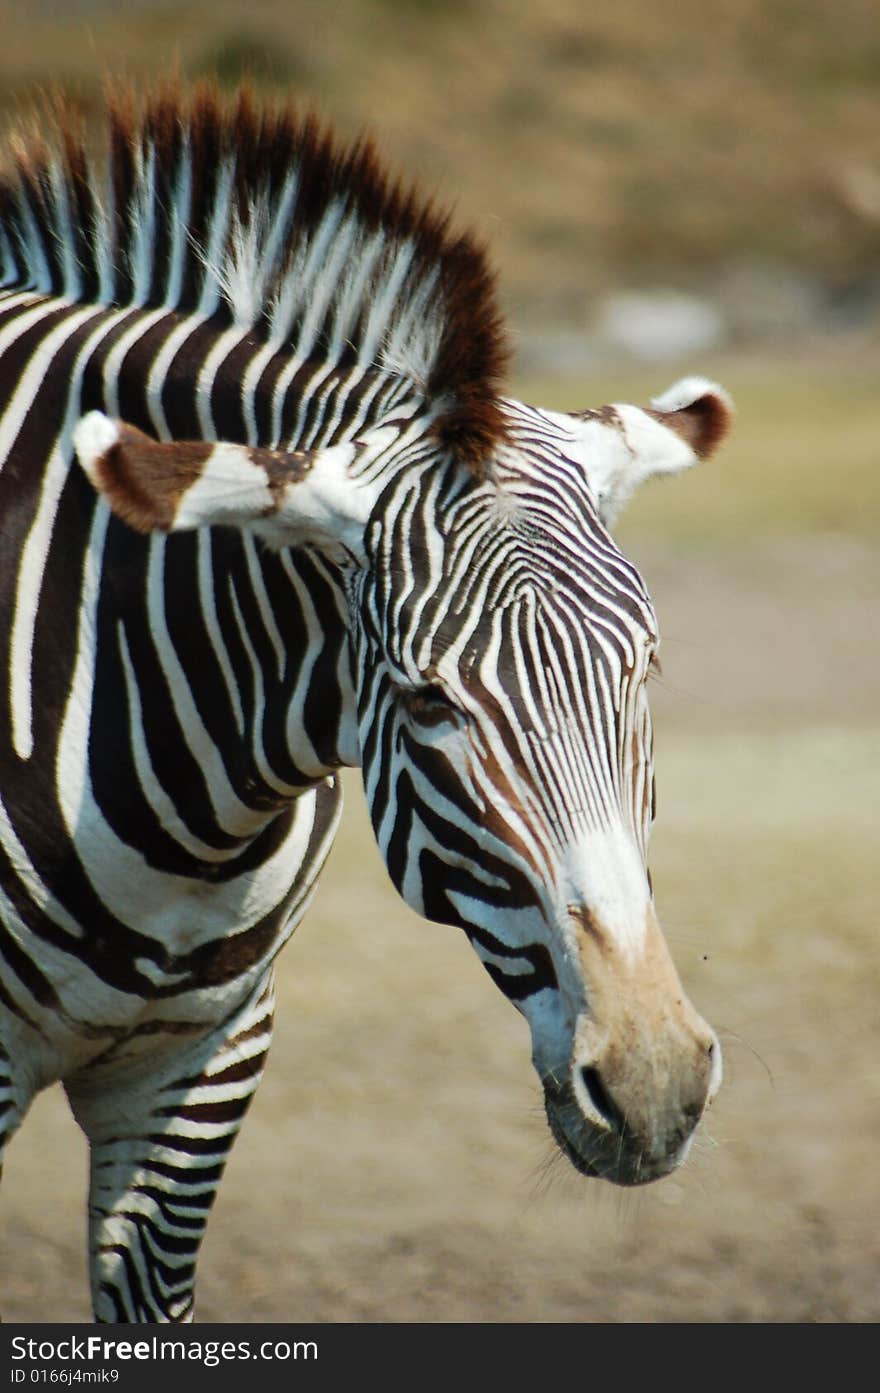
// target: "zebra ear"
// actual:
[[684, 425], [300, 498]]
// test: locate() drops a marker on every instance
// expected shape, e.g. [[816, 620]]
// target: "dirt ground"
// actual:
[[396, 1165]]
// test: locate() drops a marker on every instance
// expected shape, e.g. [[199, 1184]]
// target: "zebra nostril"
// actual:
[[600, 1098]]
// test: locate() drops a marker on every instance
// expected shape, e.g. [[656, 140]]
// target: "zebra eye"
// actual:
[[428, 706], [654, 668]]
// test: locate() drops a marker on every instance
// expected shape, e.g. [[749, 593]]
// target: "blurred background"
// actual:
[[663, 189]]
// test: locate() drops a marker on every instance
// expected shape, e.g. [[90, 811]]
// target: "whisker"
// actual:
[[725, 1032]]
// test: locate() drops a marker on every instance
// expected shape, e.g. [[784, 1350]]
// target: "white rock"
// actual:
[[660, 324]]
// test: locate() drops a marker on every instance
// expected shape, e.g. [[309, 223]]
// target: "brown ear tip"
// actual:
[[699, 411], [714, 415], [116, 458]]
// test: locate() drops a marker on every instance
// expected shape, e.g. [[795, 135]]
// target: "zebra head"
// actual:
[[504, 646], [500, 646]]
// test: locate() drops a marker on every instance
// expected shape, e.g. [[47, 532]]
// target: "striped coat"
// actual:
[[308, 532]]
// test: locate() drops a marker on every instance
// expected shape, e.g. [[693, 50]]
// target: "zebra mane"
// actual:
[[258, 218]]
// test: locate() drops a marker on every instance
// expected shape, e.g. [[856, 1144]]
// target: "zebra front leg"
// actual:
[[159, 1142], [17, 1085]]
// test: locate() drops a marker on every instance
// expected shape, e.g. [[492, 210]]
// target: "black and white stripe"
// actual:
[[174, 708]]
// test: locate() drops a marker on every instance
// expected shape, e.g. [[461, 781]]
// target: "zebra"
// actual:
[[266, 513]]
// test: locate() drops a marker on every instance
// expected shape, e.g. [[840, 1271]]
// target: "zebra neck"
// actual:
[[218, 690], [272, 668]]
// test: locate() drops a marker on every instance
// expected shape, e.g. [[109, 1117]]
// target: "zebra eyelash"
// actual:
[[428, 705]]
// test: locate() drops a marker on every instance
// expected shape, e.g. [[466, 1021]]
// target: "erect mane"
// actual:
[[258, 217]]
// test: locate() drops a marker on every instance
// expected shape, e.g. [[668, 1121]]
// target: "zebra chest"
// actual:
[[130, 957], [191, 932]]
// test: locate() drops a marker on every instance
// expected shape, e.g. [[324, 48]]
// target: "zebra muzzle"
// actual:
[[644, 1067]]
